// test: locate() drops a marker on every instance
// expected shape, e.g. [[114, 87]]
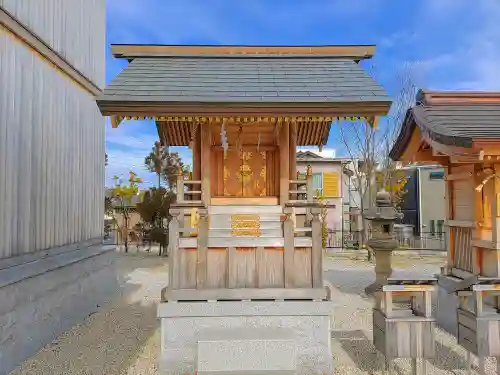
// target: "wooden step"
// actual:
[[264, 233], [192, 192], [191, 242], [298, 182], [297, 191], [245, 242], [234, 210]]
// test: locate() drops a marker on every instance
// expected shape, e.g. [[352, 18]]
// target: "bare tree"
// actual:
[[368, 147], [165, 164]]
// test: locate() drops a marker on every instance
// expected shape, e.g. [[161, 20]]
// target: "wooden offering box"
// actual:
[[479, 323], [404, 332]]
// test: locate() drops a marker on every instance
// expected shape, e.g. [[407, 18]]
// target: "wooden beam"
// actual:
[[459, 176], [138, 50], [461, 223]]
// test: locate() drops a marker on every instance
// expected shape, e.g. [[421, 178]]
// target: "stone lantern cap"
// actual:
[[383, 210]]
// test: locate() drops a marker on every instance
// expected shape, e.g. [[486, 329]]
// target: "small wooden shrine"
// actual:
[[461, 132], [233, 244], [243, 111]]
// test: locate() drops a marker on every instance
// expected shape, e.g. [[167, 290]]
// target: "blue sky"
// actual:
[[444, 44]]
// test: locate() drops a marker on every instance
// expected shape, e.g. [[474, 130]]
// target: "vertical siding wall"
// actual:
[[51, 154], [73, 28]]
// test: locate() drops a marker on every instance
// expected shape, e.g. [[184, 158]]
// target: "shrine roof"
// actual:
[[234, 75], [451, 119]]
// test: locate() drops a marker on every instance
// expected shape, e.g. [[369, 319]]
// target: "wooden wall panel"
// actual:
[[272, 273], [73, 28], [217, 268], [463, 195], [51, 156], [302, 273]]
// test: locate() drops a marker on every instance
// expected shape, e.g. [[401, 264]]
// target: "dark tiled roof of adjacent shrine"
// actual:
[[451, 118], [244, 78]]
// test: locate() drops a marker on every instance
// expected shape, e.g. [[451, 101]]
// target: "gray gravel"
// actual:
[[123, 338]]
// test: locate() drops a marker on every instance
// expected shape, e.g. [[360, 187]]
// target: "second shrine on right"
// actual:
[[461, 132]]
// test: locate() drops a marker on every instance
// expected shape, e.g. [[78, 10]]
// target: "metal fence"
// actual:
[[354, 240]]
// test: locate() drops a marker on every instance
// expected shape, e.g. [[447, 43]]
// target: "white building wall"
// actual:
[[73, 28], [334, 217], [51, 149]]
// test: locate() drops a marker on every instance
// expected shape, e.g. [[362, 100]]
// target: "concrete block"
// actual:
[[39, 308]]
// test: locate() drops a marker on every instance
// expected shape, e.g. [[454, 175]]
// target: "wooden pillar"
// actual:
[[197, 157], [205, 163], [317, 250], [448, 196], [495, 218], [495, 207], [284, 162], [293, 157]]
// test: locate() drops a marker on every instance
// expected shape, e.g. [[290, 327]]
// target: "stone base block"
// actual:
[[43, 295], [446, 310], [185, 327], [233, 351]]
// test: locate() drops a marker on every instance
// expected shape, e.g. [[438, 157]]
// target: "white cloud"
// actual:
[[473, 63]]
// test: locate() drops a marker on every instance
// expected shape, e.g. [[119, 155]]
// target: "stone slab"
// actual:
[[183, 323], [243, 308], [233, 351]]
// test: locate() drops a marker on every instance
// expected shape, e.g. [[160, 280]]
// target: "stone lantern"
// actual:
[[382, 218]]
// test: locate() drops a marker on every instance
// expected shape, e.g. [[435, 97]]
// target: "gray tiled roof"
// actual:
[[244, 79], [460, 123], [451, 125]]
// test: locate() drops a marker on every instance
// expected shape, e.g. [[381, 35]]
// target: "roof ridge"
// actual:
[[357, 52], [425, 97]]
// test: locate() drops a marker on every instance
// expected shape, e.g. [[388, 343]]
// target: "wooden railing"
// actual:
[[301, 190], [462, 254], [190, 195]]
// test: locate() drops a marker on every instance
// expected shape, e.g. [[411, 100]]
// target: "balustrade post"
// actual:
[[310, 192], [180, 185], [201, 264], [173, 248], [288, 261], [317, 249]]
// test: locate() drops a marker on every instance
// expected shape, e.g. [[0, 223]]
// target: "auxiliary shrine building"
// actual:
[[243, 110]]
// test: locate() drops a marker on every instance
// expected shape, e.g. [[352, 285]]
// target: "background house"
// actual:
[[424, 205], [333, 178]]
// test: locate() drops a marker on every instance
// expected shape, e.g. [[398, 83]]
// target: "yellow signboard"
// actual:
[[331, 185], [245, 225]]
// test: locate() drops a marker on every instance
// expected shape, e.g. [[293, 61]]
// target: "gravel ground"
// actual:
[[124, 337]]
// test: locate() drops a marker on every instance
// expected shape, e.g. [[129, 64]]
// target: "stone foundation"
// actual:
[[44, 294], [183, 323]]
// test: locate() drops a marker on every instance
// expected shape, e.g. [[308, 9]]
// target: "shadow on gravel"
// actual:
[[111, 339], [360, 349], [350, 281]]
